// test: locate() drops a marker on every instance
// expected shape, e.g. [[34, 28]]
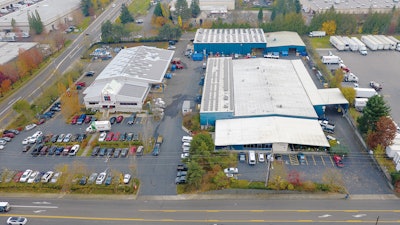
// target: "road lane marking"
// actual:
[[324, 216], [359, 215], [10, 104], [35, 206], [193, 220], [270, 210]]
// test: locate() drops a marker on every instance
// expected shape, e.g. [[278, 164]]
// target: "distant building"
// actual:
[[124, 84], [10, 50], [51, 12]]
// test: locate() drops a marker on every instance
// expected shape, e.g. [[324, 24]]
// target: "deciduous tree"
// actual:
[[349, 93], [383, 135], [329, 27], [5, 86]]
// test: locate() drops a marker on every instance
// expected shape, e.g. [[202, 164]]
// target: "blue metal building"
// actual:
[[229, 41]]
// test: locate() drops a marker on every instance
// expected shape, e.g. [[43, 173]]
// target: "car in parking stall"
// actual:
[[59, 150], [127, 178], [100, 179], [242, 157], [88, 119], [110, 135], [30, 126], [74, 119], [129, 137], [116, 136], [120, 119], [108, 179], [47, 177], [44, 150], [131, 119], [95, 151], [122, 137], [60, 138], [124, 152], [261, 157], [113, 120], [110, 152], [26, 148], [67, 138], [117, 152], [301, 157], [74, 150], [54, 138], [9, 135], [81, 137], [156, 150], [52, 150], [102, 151], [66, 150], [102, 136], [338, 161], [18, 176], [83, 180], [92, 178], [56, 177], [32, 177]]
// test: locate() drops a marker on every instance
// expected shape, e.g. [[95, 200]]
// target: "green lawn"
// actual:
[[139, 7], [320, 42]]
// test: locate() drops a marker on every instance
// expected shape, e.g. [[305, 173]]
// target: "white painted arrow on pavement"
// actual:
[[359, 215], [42, 203], [39, 211], [324, 216]]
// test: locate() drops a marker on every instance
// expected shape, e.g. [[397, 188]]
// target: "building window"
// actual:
[[107, 98], [93, 103], [128, 103]]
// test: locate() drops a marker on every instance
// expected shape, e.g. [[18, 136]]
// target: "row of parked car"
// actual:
[[104, 177], [118, 136], [7, 136], [41, 149], [111, 152], [39, 138], [30, 176], [181, 174]]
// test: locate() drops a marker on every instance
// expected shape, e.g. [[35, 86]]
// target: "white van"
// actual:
[[261, 157], [5, 207], [187, 139], [252, 157]]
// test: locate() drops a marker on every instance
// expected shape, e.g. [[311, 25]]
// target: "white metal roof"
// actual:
[[49, 11], [9, 50], [142, 64], [329, 96], [283, 38], [223, 36], [270, 87], [259, 130], [218, 86]]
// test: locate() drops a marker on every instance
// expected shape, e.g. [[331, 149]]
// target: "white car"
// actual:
[[47, 177], [33, 176], [30, 126], [55, 177], [186, 144], [100, 179], [127, 178], [231, 170], [3, 142], [26, 141], [74, 150], [25, 175], [102, 136], [14, 220], [171, 47], [261, 157], [185, 155], [32, 140], [2, 147]]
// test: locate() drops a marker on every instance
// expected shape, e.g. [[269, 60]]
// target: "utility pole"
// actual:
[[377, 219]]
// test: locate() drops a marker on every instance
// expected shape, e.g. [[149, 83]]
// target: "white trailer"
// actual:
[[392, 43], [331, 59], [397, 42], [371, 44], [365, 92], [386, 44], [352, 45], [337, 43], [391, 150], [361, 46], [317, 34], [360, 103], [379, 43], [346, 44]]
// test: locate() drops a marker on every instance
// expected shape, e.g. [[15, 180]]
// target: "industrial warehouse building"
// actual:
[[253, 41], [124, 84], [264, 104], [9, 51], [51, 12]]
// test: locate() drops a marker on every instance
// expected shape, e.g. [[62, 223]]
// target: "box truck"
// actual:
[[365, 92], [331, 59], [317, 34], [360, 103], [99, 126], [396, 41], [361, 46], [371, 44]]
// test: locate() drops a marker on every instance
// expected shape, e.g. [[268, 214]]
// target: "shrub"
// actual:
[[309, 186]]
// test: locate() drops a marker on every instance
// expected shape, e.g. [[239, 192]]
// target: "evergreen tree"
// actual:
[[376, 108], [35, 23], [85, 6], [168, 32], [182, 9], [157, 10], [107, 32], [195, 8], [125, 16], [297, 6], [260, 15]]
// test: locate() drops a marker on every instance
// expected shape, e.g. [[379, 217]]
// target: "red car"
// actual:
[[338, 161], [41, 121], [116, 136], [80, 83], [18, 176], [179, 66], [119, 119], [10, 135], [74, 119], [88, 119], [109, 136]]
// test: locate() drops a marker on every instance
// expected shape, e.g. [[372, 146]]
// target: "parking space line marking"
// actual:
[[315, 163], [305, 159], [323, 161], [333, 163]]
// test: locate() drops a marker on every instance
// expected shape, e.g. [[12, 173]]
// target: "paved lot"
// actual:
[[380, 66]]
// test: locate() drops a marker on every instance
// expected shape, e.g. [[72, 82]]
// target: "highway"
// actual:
[[59, 65], [80, 211]]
